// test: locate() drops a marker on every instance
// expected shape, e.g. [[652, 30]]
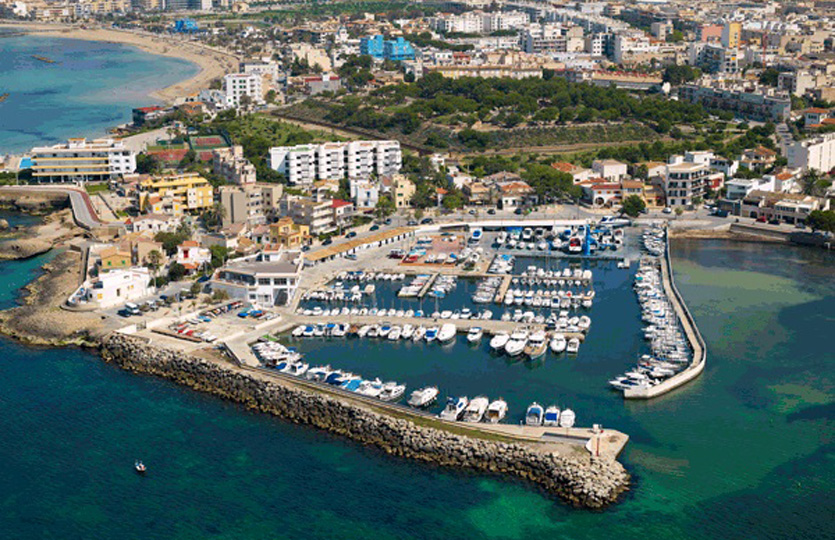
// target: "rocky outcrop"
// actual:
[[581, 480], [32, 202]]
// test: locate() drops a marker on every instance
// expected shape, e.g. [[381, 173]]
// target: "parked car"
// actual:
[[761, 219], [721, 213], [800, 225], [471, 212], [387, 221], [427, 221], [351, 234], [518, 211], [374, 227], [774, 221], [492, 211], [328, 241], [412, 223], [305, 248], [667, 210]]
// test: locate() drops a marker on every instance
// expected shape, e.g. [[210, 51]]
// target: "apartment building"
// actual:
[[317, 216], [402, 190], [366, 194], [231, 165], [188, 190], [685, 182], [286, 233], [267, 279], [251, 203], [817, 153], [544, 38], [238, 85], [80, 160], [752, 105], [304, 164]]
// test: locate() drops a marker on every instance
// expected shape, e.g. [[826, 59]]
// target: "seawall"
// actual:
[[580, 480]]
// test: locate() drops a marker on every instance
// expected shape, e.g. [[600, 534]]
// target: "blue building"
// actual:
[[398, 49], [390, 49], [372, 46], [186, 26]]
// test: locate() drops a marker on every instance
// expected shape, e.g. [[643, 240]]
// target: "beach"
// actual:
[[213, 63]]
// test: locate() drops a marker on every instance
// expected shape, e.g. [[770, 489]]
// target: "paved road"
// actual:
[[82, 207]]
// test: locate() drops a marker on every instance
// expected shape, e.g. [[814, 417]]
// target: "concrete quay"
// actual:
[[691, 331]]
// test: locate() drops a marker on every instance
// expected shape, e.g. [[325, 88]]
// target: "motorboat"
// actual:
[[567, 418], [454, 408], [474, 335], [534, 415], [516, 344], [475, 410], [419, 333], [537, 345], [391, 391], [431, 334], [298, 331], [384, 330], [573, 346], [498, 342], [558, 343], [139, 467], [447, 333], [496, 411], [407, 332], [584, 323], [423, 397], [394, 334], [552, 416], [370, 388]]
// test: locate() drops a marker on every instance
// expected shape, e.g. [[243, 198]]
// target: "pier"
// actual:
[[500, 294], [428, 286], [691, 331]]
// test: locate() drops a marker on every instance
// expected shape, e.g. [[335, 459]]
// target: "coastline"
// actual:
[[213, 63]]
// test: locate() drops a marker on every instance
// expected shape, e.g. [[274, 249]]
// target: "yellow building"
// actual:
[[112, 257], [731, 34], [403, 190], [288, 234], [189, 190]]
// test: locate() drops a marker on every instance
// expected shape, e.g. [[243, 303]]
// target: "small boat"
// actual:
[[447, 333], [423, 397], [475, 410], [558, 343], [139, 467], [370, 388], [552, 416], [420, 331], [516, 344], [573, 346], [496, 411], [474, 335], [394, 334], [392, 391], [534, 414], [407, 332], [498, 342], [431, 334], [298, 331], [454, 408], [567, 418]]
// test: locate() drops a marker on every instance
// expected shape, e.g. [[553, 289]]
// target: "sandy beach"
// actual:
[[213, 63]]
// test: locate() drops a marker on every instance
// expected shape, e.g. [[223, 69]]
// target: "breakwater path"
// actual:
[[581, 475]]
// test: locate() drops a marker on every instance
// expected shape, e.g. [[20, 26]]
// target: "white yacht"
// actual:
[[496, 411], [298, 331], [498, 342], [394, 333], [534, 414], [370, 388], [454, 408], [475, 409], [447, 333], [392, 391], [423, 397], [567, 418], [558, 343], [474, 335], [552, 416], [516, 344], [584, 323], [537, 345]]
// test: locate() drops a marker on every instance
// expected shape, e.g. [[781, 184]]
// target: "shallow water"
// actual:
[[746, 451]]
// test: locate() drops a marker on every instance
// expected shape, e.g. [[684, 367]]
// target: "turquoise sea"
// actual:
[[92, 87], [744, 452]]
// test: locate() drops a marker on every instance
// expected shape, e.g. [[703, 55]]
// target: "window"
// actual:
[[263, 281]]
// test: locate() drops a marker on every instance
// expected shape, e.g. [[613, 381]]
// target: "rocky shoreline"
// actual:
[[582, 481]]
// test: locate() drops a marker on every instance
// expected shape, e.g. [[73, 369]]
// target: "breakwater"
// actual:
[[578, 479]]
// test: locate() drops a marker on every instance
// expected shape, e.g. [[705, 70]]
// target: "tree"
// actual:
[[195, 288], [154, 261], [679, 210], [219, 255], [385, 207], [147, 164], [633, 205], [176, 271], [220, 295], [811, 183], [821, 220], [271, 95]]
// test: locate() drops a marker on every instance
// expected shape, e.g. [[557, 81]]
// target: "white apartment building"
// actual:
[[270, 69], [116, 287], [231, 164], [544, 38], [610, 169], [364, 193], [317, 215], [817, 153], [80, 160], [267, 279], [629, 45], [685, 182], [304, 164], [237, 85]]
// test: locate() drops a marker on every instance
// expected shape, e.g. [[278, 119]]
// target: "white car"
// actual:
[[667, 210]]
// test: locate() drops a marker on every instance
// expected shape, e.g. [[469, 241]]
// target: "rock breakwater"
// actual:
[[578, 479]]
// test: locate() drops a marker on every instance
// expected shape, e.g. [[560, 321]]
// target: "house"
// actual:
[[786, 207], [141, 249], [343, 212], [192, 256], [112, 258], [266, 279], [477, 193], [515, 194], [221, 239], [815, 116], [578, 174], [599, 192], [500, 177], [758, 158], [610, 169], [402, 190], [739, 188], [365, 193], [117, 287], [152, 223], [726, 166], [287, 234]]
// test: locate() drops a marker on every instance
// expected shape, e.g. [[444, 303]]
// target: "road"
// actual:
[[82, 207]]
